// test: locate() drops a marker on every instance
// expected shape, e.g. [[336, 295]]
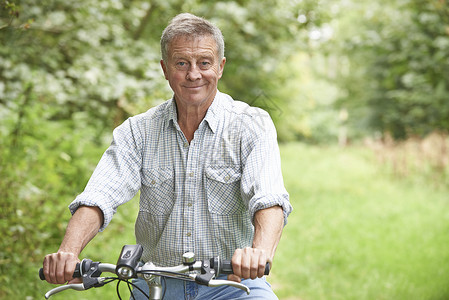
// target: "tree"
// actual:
[[394, 66]]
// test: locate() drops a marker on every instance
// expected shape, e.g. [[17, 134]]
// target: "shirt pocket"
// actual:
[[223, 190], [158, 191]]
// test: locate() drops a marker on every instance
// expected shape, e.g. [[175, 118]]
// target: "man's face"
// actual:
[[193, 70]]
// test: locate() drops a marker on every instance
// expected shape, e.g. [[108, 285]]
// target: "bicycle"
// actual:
[[128, 267]]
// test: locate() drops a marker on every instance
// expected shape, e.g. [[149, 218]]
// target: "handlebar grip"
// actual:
[[76, 273], [41, 274], [226, 268]]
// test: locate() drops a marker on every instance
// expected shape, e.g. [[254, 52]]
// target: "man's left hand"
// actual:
[[248, 263]]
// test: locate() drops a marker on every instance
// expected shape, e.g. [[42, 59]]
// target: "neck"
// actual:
[[189, 119], [189, 123]]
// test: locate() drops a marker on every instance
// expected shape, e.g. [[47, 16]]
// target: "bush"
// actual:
[[41, 171]]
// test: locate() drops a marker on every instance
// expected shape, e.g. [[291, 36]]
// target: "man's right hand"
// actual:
[[59, 267], [82, 227]]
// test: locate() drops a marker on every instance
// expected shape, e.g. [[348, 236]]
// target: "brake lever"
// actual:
[[88, 283], [218, 282], [73, 286], [221, 282]]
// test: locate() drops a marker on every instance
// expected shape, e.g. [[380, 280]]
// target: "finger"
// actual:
[[237, 263], [261, 265], [59, 268], [233, 277], [46, 266], [65, 269], [70, 264], [67, 274], [52, 271], [246, 263], [255, 258], [75, 280]]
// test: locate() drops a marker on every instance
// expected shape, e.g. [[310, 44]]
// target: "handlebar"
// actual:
[[127, 268], [224, 267]]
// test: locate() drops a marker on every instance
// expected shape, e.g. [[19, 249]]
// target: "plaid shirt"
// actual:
[[198, 197]]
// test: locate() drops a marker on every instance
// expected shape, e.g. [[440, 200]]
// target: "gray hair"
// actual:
[[191, 26]]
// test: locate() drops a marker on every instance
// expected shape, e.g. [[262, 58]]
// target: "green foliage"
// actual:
[[394, 65], [43, 165], [80, 57], [307, 110]]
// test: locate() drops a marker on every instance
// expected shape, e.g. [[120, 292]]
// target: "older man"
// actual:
[[208, 169]]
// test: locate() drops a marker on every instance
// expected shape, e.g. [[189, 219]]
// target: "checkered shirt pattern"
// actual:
[[199, 197]]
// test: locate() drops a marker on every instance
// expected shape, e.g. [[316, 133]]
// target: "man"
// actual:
[[208, 169]]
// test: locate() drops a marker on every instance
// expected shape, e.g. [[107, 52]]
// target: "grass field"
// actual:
[[358, 233], [355, 232]]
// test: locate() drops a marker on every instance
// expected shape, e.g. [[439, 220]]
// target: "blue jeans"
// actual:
[[178, 289]]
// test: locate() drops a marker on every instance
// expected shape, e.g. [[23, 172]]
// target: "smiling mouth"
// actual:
[[196, 86]]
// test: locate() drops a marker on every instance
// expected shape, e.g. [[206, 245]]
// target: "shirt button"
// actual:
[[191, 174], [153, 182], [189, 204], [189, 234], [227, 178]]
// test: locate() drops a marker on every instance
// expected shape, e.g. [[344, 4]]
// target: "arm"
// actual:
[[250, 262], [268, 225], [263, 190], [82, 227]]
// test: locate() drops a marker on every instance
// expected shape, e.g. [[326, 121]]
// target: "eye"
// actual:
[[181, 65], [204, 65]]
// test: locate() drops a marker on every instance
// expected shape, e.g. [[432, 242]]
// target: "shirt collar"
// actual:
[[212, 114], [172, 116]]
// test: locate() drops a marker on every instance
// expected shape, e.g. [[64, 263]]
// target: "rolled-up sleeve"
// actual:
[[262, 184], [116, 178]]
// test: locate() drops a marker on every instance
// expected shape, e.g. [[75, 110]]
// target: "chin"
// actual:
[[197, 98]]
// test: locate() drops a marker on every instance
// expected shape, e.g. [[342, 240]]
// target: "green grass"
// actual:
[[355, 233], [358, 233]]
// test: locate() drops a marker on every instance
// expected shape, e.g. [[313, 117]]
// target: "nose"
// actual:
[[193, 73]]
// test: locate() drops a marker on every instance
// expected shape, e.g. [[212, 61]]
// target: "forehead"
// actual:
[[186, 46]]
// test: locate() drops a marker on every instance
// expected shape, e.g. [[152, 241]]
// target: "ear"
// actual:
[[164, 68], [222, 64]]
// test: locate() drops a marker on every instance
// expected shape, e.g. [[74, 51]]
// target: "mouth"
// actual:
[[194, 87]]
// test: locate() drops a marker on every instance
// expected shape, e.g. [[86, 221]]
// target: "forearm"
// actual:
[[250, 262], [82, 228], [268, 225]]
